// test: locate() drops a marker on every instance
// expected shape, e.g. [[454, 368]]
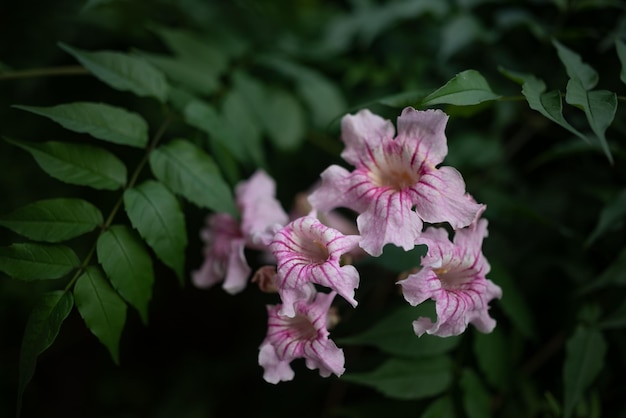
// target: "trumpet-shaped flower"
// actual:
[[309, 252], [453, 274], [395, 185], [226, 238], [304, 335]]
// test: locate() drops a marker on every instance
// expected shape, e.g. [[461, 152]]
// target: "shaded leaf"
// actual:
[[408, 378], [612, 275], [241, 118], [599, 107], [493, 354], [394, 334], [80, 164], [284, 120], [617, 319], [613, 213], [575, 67], [100, 120], [548, 104], [53, 220], [204, 117], [30, 261], [466, 88], [584, 358], [440, 408], [192, 173], [154, 211], [103, 310], [397, 260], [513, 304], [621, 53], [123, 72], [41, 330], [128, 266], [476, 400], [191, 48]]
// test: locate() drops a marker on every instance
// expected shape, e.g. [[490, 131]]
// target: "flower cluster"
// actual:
[[396, 186]]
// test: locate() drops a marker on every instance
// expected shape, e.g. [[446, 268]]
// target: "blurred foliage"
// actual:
[[264, 84]]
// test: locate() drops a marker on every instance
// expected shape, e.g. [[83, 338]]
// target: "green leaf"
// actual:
[[241, 118], [612, 275], [394, 335], [466, 88], [204, 117], [584, 358], [128, 266], [397, 260], [80, 164], [493, 354], [123, 72], [192, 48], [284, 120], [155, 213], [621, 53], [513, 303], [440, 408], [408, 378], [103, 310], [53, 220], [613, 213], [30, 261], [190, 172], [100, 120], [548, 104], [599, 107], [476, 399], [575, 67], [41, 330]]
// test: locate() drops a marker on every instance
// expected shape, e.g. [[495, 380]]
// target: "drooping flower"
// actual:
[[225, 237], [309, 252], [394, 175], [453, 275], [305, 335]]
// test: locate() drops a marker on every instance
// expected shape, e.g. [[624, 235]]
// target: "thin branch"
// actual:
[[43, 72]]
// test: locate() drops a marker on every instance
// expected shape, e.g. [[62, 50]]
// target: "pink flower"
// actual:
[[453, 274], [309, 252], [394, 175], [226, 238], [303, 336]]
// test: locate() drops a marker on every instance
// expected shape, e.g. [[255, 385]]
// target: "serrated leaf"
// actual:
[[102, 309], [53, 220], [613, 213], [466, 88], [41, 330], [408, 378], [154, 211], [81, 164], [284, 120], [204, 117], [100, 120], [621, 53], [128, 266], [394, 335], [30, 261], [192, 173], [123, 72], [548, 104], [493, 354], [584, 358], [575, 67], [599, 107], [476, 400]]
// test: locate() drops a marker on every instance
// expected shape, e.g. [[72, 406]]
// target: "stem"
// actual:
[[44, 72], [133, 179]]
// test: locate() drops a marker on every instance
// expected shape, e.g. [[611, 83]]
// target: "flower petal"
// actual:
[[362, 130], [275, 370], [425, 129], [331, 193], [238, 269]]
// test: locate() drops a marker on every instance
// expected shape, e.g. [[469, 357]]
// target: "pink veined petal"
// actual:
[[441, 198], [331, 193], [325, 356], [361, 130], [420, 286], [210, 273], [275, 370], [238, 269], [425, 129], [389, 220], [291, 295]]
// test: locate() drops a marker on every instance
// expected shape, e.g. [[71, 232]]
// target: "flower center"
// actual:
[[393, 168], [396, 178], [315, 251], [302, 328]]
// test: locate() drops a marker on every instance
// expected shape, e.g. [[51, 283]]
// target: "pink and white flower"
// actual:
[[307, 253], [453, 275], [305, 335], [226, 238], [394, 175]]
